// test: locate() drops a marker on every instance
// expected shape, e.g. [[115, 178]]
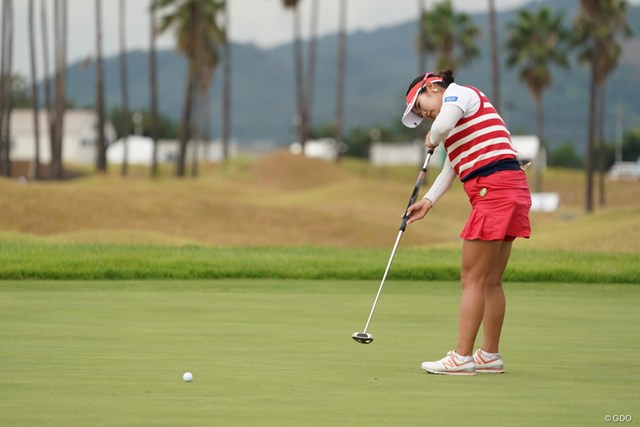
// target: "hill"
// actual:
[[380, 63], [288, 200]]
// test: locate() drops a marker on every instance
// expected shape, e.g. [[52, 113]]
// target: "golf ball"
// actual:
[[187, 376]]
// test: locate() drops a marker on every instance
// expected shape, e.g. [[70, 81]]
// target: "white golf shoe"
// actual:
[[453, 364], [488, 364]]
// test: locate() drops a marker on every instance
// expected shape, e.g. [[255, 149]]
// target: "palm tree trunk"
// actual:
[[101, 159], [7, 86], [48, 104], [602, 155], [307, 103], [153, 90], [54, 167], [297, 54], [588, 199], [185, 127], [198, 121], [342, 51], [205, 125], [5, 90], [537, 186], [495, 61], [124, 91], [196, 141], [226, 86], [35, 172], [57, 167]]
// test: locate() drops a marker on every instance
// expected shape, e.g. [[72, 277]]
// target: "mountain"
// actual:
[[380, 65]]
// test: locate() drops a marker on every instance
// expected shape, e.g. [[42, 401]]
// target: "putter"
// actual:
[[365, 337]]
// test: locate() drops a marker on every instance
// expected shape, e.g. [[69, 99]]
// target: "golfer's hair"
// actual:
[[445, 75], [447, 78]]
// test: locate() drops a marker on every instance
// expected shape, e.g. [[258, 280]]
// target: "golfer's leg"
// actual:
[[478, 258], [494, 301]]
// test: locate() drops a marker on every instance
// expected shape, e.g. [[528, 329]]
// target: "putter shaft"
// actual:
[[403, 226], [386, 271]]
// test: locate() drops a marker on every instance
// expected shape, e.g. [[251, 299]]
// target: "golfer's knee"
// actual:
[[471, 281], [493, 283]]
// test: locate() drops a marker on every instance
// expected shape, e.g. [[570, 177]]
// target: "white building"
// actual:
[[387, 154], [80, 137], [413, 153], [325, 148], [140, 150], [78, 141], [530, 150]]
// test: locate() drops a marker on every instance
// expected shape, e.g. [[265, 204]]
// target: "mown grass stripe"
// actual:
[[123, 262]]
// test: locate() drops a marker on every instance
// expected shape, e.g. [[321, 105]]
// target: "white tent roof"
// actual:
[[140, 150], [527, 146]]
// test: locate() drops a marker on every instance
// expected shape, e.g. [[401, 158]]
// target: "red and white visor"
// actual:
[[409, 118]]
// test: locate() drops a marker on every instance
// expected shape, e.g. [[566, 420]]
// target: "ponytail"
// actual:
[[447, 78]]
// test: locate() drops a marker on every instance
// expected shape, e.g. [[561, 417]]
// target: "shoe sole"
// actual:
[[490, 370], [459, 373]]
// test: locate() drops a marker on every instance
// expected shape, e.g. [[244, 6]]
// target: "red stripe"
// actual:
[[479, 139]]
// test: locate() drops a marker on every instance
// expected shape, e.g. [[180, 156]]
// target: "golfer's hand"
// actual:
[[427, 142], [418, 210]]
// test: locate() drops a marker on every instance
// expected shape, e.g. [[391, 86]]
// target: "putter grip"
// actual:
[[416, 191]]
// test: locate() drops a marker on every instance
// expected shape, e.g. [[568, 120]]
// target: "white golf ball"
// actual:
[[187, 376]]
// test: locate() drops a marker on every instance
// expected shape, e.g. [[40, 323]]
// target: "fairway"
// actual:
[[280, 353]]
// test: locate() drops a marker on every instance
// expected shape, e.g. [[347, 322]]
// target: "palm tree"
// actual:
[[35, 173], [124, 91], [60, 25], [47, 71], [535, 42], [153, 90], [311, 68], [198, 36], [598, 28], [342, 53], [451, 35], [495, 61], [7, 87], [226, 85], [101, 159], [297, 55]]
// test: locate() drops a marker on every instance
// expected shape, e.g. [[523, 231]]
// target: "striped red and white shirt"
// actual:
[[479, 139], [474, 136]]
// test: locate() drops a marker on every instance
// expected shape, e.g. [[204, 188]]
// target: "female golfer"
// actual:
[[480, 153]]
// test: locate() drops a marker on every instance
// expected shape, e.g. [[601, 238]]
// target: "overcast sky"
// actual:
[[263, 22]]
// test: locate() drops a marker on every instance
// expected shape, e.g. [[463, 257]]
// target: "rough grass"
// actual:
[[288, 200]]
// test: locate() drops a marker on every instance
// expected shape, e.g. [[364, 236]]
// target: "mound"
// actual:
[[287, 171]]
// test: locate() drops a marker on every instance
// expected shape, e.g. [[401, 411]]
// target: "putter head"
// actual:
[[362, 337]]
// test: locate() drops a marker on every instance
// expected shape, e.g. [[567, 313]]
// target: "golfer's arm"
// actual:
[[442, 182], [447, 118]]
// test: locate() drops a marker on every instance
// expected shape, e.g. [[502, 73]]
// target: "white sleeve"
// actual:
[[442, 182], [443, 124]]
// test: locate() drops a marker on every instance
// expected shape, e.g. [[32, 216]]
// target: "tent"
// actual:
[[140, 150]]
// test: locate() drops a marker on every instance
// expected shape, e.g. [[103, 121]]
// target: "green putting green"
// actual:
[[280, 353]]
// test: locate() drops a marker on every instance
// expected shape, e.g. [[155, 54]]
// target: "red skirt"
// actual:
[[500, 207]]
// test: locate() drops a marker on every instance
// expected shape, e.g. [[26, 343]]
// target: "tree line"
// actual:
[[536, 42]]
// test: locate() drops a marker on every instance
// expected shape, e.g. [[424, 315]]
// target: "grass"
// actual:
[[280, 353], [29, 260], [287, 200], [297, 248]]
